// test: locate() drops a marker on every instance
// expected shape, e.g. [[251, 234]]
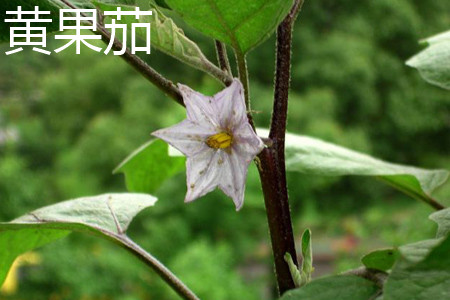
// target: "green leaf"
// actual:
[[149, 166], [106, 215], [307, 262], [165, 36], [382, 259], [442, 218], [338, 287], [313, 156], [433, 63], [241, 24], [427, 279]]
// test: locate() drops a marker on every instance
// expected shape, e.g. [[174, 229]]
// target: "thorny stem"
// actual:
[[272, 163], [222, 57]]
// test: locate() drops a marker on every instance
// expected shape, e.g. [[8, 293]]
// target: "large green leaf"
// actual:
[[433, 63], [241, 24], [165, 35], [149, 166], [313, 156], [338, 287], [106, 215], [426, 279], [442, 218]]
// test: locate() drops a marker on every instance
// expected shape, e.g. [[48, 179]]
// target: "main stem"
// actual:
[[272, 168]]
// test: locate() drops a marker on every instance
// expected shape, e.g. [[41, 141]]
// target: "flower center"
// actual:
[[220, 140]]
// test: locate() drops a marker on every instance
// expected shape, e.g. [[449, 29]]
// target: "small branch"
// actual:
[[217, 73], [376, 276], [222, 58], [159, 268], [243, 76], [165, 85]]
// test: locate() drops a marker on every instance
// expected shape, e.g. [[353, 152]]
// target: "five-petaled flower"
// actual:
[[218, 141]]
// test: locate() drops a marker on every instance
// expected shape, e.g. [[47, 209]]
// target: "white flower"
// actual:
[[217, 140]]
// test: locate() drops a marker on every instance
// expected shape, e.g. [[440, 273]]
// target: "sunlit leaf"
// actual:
[[106, 215]]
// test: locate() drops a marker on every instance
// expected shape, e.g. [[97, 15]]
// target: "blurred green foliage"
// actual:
[[78, 116]]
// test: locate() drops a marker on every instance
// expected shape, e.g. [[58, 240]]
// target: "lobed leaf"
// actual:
[[106, 215]]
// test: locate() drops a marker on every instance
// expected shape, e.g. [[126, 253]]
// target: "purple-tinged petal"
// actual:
[[231, 106], [185, 136], [247, 141], [200, 108], [233, 177], [203, 172]]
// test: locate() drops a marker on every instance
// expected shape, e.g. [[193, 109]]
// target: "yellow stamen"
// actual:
[[220, 140]]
